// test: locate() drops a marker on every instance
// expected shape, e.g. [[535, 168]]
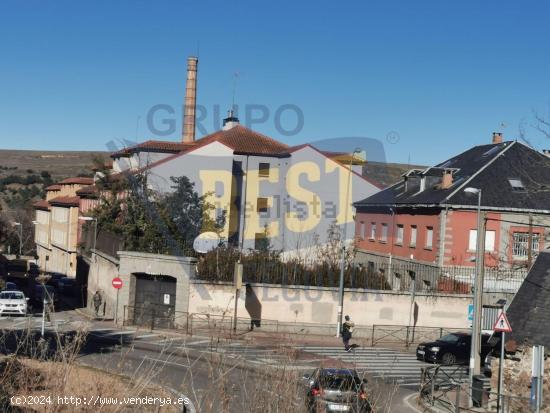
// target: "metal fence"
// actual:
[[407, 335], [398, 277], [447, 389], [270, 268], [223, 324]]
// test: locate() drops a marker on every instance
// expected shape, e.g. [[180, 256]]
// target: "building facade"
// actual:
[[428, 220], [57, 226]]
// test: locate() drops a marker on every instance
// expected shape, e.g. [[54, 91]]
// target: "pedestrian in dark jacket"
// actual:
[[97, 302], [347, 330]]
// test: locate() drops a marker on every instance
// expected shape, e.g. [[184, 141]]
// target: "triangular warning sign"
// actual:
[[502, 325]]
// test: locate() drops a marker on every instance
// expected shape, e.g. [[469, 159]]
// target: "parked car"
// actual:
[[54, 277], [41, 292], [66, 285], [13, 302], [336, 390], [11, 286], [453, 348]]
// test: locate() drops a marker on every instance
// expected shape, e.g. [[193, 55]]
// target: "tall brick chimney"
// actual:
[[497, 137], [190, 105]]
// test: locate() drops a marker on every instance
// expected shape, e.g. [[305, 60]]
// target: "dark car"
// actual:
[[43, 293], [453, 348], [336, 390], [11, 286], [66, 285]]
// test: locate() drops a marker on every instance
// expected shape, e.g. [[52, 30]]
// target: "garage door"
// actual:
[[155, 300]]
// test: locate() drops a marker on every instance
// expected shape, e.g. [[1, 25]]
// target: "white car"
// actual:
[[13, 302]]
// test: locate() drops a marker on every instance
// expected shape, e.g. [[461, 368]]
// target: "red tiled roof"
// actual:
[[245, 141], [77, 181], [42, 204], [154, 146], [239, 138], [53, 188], [88, 191], [65, 201]]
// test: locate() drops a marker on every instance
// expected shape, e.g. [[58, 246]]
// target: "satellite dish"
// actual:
[[205, 242]]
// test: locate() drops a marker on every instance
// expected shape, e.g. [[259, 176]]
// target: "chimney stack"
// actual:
[[447, 180], [546, 152], [497, 137], [190, 106], [231, 121]]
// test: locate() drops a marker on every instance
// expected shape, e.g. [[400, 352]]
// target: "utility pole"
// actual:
[[475, 347], [478, 298], [530, 243], [343, 241]]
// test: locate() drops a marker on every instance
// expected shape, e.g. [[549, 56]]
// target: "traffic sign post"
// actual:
[[502, 325], [471, 313], [117, 283]]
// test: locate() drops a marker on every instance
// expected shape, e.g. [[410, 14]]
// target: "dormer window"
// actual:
[[516, 184]]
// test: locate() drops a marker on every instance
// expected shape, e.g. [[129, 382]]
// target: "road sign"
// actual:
[[502, 325], [470, 312], [117, 283]]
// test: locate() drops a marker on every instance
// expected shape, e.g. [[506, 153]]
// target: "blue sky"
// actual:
[[442, 75]]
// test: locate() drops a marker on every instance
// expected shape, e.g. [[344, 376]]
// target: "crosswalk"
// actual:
[[386, 364], [389, 365]]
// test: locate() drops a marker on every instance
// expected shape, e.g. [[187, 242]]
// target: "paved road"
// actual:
[[153, 356], [389, 365]]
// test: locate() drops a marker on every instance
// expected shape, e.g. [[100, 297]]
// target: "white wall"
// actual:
[[319, 305]]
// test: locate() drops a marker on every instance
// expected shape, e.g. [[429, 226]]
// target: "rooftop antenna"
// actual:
[[137, 126], [235, 79]]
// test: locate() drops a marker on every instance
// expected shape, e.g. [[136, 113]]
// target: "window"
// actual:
[[264, 170], [60, 215], [384, 234], [429, 237], [261, 205], [362, 230], [516, 184], [489, 240], [520, 244], [413, 236], [399, 234], [261, 242], [373, 230]]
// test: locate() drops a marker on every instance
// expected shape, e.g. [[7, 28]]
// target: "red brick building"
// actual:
[[427, 219]]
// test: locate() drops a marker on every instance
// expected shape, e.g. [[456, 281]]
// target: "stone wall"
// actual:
[[517, 380]]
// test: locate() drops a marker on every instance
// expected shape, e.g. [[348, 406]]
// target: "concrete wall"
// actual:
[[103, 269], [181, 268], [319, 305]]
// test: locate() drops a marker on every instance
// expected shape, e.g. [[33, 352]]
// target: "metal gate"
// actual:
[[155, 300]]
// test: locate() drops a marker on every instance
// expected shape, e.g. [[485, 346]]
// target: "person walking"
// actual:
[[347, 330], [97, 302]]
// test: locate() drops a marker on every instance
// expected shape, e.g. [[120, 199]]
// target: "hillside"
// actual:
[[59, 164], [25, 174], [387, 173]]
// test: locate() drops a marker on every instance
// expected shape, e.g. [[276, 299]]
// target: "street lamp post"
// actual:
[[20, 234], [343, 258], [475, 347]]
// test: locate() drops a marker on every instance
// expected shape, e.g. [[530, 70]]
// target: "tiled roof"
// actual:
[[529, 311], [77, 181], [53, 188], [245, 141], [65, 201], [154, 146], [42, 204], [90, 190], [239, 138], [488, 167]]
